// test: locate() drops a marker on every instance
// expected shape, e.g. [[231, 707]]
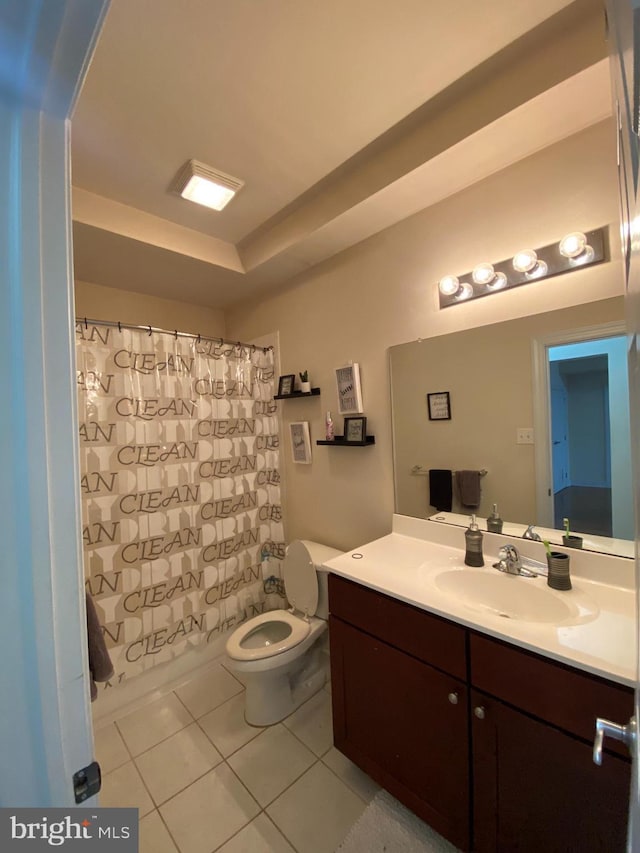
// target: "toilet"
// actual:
[[277, 655]]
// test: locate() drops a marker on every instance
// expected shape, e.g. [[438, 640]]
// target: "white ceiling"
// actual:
[[342, 117]]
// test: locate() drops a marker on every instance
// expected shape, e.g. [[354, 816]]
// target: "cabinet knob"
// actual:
[[479, 712], [453, 698], [605, 728]]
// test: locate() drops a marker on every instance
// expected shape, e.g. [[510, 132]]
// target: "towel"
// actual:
[[440, 489], [468, 483], [100, 666]]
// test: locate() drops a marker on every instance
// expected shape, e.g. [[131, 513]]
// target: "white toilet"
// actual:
[[277, 654]]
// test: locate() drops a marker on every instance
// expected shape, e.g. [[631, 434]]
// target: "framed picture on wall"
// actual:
[[439, 406], [300, 442], [349, 393]]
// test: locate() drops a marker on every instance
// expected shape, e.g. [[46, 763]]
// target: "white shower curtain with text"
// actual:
[[179, 455]]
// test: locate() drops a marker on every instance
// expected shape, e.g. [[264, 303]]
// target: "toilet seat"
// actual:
[[267, 635]]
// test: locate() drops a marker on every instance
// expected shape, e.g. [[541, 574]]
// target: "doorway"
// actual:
[[583, 435], [581, 440]]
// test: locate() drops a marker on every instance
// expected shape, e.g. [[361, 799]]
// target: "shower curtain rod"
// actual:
[[175, 334]]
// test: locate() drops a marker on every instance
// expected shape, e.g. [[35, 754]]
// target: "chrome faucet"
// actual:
[[510, 562], [531, 534]]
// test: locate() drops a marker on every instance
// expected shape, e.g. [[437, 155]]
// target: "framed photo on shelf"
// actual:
[[349, 393], [439, 406], [285, 384], [355, 429], [300, 442]]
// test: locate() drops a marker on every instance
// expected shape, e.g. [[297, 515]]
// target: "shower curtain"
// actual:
[[180, 484]]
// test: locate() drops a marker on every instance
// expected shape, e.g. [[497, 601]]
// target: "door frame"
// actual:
[[542, 409], [45, 719]]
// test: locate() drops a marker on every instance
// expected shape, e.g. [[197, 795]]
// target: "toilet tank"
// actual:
[[320, 554]]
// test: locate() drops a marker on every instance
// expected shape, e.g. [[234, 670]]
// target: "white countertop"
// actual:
[[405, 567]]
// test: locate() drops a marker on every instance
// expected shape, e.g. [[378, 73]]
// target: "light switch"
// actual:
[[524, 435]]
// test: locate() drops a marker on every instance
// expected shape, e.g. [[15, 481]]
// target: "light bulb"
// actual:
[[449, 285], [465, 292], [539, 271], [585, 257], [499, 281], [525, 261], [483, 273], [573, 244]]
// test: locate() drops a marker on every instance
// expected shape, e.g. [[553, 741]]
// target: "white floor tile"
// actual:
[[154, 837], [209, 812], [152, 723], [260, 836], [226, 726], [110, 749], [177, 762], [124, 788], [208, 690], [271, 762], [351, 775], [313, 723], [316, 812]]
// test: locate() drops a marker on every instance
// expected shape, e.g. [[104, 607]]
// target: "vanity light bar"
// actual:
[[575, 250]]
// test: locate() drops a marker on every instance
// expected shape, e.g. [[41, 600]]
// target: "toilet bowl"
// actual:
[[277, 654]]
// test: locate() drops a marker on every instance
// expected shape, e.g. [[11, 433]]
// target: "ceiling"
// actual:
[[341, 117]]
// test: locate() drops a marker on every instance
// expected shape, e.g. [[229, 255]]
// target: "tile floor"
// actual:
[[204, 781]]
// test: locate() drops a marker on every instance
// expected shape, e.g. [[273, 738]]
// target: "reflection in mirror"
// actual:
[[490, 376]]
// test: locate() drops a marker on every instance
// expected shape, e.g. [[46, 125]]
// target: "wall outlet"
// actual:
[[524, 435]]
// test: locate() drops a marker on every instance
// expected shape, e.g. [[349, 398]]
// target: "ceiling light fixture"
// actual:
[[204, 185], [573, 251]]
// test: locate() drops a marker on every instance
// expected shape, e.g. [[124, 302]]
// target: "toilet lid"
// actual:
[[300, 580], [267, 635]]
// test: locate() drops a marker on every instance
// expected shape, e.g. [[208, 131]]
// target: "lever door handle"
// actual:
[[627, 734]]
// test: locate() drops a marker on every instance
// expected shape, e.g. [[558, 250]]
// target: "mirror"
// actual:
[[489, 375]]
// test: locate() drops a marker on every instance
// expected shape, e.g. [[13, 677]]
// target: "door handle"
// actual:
[[627, 734]]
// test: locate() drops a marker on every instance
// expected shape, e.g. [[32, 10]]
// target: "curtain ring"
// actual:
[[149, 331], [175, 332], [86, 325], [198, 341], [119, 326]]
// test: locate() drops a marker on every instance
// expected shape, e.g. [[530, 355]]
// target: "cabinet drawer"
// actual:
[[428, 638], [558, 694]]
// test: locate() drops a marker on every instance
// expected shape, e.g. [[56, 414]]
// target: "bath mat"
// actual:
[[386, 826]]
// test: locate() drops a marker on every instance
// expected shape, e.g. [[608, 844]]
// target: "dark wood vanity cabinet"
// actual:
[[489, 744]]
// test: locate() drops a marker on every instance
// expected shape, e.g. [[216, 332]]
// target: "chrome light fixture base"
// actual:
[[549, 261]]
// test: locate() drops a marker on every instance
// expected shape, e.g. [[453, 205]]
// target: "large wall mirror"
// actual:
[[576, 461]]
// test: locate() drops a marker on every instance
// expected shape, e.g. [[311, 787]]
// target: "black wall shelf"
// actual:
[[313, 393], [340, 442]]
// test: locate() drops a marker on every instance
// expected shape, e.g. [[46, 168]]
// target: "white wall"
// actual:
[[139, 309], [383, 292]]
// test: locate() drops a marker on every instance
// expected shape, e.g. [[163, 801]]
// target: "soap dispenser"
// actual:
[[494, 522], [473, 544]]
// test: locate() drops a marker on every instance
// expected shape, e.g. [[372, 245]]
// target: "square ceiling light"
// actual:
[[204, 185]]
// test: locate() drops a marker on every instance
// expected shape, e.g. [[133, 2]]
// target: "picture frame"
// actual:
[[355, 429], [439, 406], [286, 384], [300, 442], [349, 390]]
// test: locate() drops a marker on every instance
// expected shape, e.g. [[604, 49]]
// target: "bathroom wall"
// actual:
[[107, 303], [383, 291]]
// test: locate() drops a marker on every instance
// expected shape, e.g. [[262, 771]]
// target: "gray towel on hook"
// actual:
[[100, 666], [468, 483]]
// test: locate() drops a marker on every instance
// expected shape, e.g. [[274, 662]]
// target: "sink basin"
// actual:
[[513, 597]]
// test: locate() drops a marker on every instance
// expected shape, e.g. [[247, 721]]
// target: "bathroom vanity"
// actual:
[[481, 723]]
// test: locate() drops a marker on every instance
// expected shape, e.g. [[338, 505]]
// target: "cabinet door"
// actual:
[[405, 724], [536, 788]]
